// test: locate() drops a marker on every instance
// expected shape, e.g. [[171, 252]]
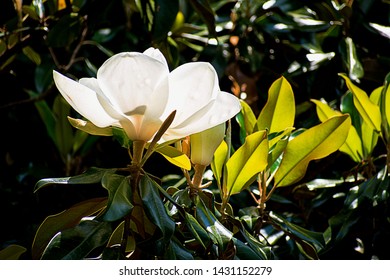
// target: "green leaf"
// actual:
[[164, 17], [314, 143], [119, 195], [63, 130], [204, 10], [174, 156], [248, 118], [90, 128], [91, 176], [385, 107], [64, 220], [155, 209], [76, 243], [199, 233], [262, 251], [46, 115], [32, 55], [219, 161], [367, 109], [354, 66], [250, 159], [353, 144], [12, 252], [299, 233], [279, 111], [217, 232]]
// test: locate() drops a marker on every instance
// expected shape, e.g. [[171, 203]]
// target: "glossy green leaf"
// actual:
[[155, 209], [64, 220], [119, 197], [368, 110], [78, 242], [91, 176], [316, 239], [353, 143], [90, 128], [250, 159], [315, 143], [217, 232], [279, 111], [174, 156], [262, 251], [356, 70], [199, 233], [12, 252], [219, 161]]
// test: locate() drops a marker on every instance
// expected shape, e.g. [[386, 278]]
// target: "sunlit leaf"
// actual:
[[368, 110], [219, 160], [64, 220], [90, 128], [353, 143], [314, 143], [174, 156], [356, 70], [279, 111], [385, 106], [247, 162], [249, 119]]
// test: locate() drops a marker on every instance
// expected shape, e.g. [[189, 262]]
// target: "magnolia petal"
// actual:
[[192, 86], [83, 100], [225, 107], [156, 54], [129, 80]]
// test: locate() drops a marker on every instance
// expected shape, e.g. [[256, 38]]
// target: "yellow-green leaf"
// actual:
[[219, 161], [279, 111], [353, 143], [367, 109], [90, 128], [249, 117], [314, 143], [174, 156], [250, 159], [369, 135], [12, 252]]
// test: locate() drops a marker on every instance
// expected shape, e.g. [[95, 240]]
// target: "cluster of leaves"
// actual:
[[251, 44]]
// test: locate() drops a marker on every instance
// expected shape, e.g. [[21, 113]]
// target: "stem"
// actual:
[[197, 178], [135, 171]]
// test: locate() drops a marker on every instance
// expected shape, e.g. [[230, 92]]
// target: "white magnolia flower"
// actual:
[[137, 92]]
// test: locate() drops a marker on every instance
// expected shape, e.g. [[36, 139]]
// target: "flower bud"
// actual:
[[204, 144]]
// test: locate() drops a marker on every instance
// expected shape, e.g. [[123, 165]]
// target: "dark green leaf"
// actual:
[[119, 197], [218, 233], [164, 17], [91, 176], [155, 209], [64, 220], [311, 237], [78, 242], [203, 8]]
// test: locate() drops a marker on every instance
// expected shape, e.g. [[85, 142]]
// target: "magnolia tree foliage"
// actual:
[[198, 129]]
